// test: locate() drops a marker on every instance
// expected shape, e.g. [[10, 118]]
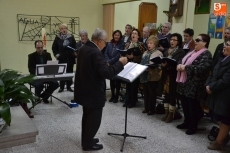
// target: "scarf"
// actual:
[[145, 76], [187, 60], [65, 38]]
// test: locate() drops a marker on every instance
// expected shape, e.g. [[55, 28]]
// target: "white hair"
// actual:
[[63, 24], [169, 25], [146, 27], [82, 32], [99, 34]]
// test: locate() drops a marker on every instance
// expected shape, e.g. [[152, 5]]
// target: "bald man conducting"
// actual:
[[89, 86]]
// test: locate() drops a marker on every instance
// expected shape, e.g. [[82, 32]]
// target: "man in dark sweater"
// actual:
[[219, 49], [89, 86], [41, 57]]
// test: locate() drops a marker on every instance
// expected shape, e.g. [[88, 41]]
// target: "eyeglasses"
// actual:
[[198, 40], [173, 40], [103, 40]]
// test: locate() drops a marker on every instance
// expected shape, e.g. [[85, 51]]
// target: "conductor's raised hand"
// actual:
[[123, 60]]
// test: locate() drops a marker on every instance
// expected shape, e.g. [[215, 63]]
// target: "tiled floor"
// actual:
[[60, 131]]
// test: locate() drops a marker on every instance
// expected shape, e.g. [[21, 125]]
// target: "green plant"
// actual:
[[13, 90], [159, 28]]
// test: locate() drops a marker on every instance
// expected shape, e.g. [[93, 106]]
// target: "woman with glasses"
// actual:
[[168, 77], [192, 73], [63, 53], [132, 88], [218, 88], [112, 56]]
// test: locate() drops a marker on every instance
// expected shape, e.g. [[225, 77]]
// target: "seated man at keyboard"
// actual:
[[41, 57]]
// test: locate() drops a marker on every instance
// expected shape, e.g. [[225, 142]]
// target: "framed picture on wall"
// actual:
[[202, 6]]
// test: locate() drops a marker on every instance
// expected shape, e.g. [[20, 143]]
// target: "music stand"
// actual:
[[135, 69]]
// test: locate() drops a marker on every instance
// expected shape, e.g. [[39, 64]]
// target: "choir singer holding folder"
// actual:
[[132, 88], [168, 78], [89, 86], [62, 50], [151, 76]]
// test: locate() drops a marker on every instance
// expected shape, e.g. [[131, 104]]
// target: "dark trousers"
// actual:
[[68, 83], [115, 84], [39, 86], [192, 111], [91, 121], [150, 95], [131, 92], [171, 96]]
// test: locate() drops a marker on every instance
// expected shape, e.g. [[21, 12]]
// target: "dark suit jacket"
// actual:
[[128, 40], [219, 84], [92, 69], [66, 54], [79, 44], [218, 54], [33, 60], [144, 43], [191, 45]]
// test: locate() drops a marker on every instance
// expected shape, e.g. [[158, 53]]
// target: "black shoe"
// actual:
[[94, 147], [131, 106], [182, 126], [46, 101], [111, 99], [115, 100], [124, 105], [70, 90], [191, 131], [150, 113], [95, 140], [60, 90]]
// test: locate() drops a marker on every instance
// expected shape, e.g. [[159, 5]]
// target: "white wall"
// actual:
[[127, 13], [14, 53]]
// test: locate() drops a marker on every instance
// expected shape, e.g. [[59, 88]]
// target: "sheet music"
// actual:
[[61, 69], [41, 70], [52, 62], [126, 69], [131, 71]]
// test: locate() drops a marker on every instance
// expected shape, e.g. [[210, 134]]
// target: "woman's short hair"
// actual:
[[117, 31], [83, 32], [154, 39], [63, 24], [138, 32], [205, 38], [99, 34], [179, 39]]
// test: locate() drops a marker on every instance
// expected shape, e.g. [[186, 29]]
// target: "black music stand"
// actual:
[[125, 135], [130, 73]]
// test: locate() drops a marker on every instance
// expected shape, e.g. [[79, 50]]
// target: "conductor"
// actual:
[[89, 84]]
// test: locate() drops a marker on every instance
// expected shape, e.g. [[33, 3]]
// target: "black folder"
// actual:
[[135, 51], [159, 60], [164, 42], [186, 50]]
